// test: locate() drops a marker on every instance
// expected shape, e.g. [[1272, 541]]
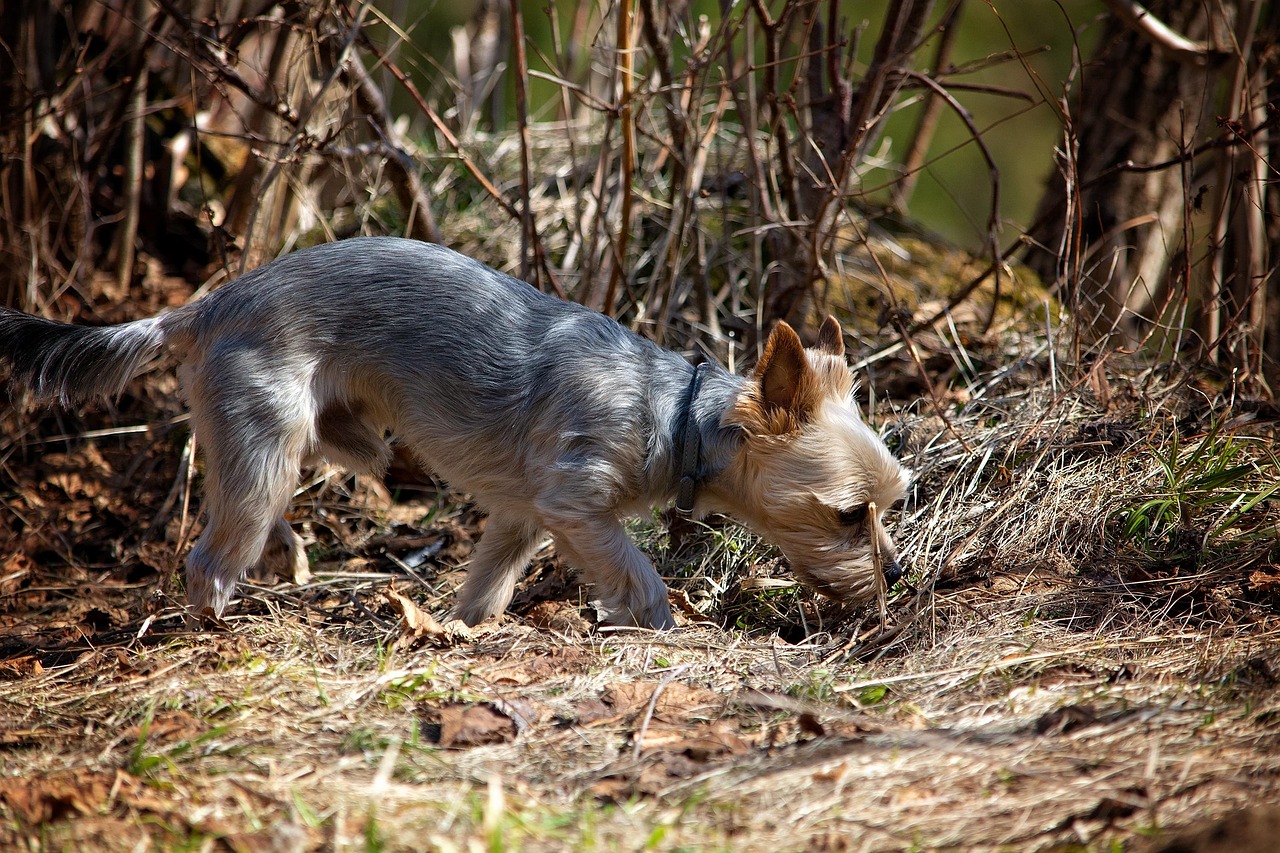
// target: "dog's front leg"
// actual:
[[629, 587], [504, 550]]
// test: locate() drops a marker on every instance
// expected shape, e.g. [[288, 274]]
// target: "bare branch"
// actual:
[[1173, 45]]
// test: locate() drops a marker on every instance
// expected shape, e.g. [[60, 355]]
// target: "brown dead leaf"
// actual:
[[79, 474], [40, 800], [1098, 383], [613, 789], [23, 666], [13, 570], [680, 599], [671, 753], [168, 727], [677, 702], [561, 617], [538, 666], [474, 725], [419, 625], [700, 743], [590, 711], [1265, 580]]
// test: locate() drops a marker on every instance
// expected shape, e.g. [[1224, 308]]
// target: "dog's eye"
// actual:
[[853, 515]]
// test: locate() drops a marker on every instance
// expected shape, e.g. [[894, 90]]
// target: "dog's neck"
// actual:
[[688, 446], [712, 391]]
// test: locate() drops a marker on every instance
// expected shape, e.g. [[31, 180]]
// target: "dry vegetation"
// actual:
[[1049, 680], [1085, 655]]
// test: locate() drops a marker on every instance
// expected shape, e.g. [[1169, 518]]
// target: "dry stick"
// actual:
[[914, 159], [993, 219], [1228, 189], [761, 200], [408, 186], [1126, 166], [136, 131], [624, 65], [224, 71], [787, 182], [1256, 263], [777, 123], [527, 237], [1170, 43], [681, 199], [895, 317], [300, 132], [214, 66], [597, 212], [687, 195], [456, 147], [676, 116], [442, 129], [259, 128], [653, 704], [565, 88], [883, 80]]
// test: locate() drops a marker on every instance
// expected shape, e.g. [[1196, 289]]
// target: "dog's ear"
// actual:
[[786, 388], [831, 337], [784, 375]]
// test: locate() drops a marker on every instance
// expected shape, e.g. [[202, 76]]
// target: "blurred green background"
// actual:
[[1040, 42]]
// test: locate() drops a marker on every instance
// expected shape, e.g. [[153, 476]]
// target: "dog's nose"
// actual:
[[892, 572]]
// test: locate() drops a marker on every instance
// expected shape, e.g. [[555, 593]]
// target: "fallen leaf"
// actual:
[[676, 701], [1098, 383], [419, 625], [40, 800], [558, 616], [590, 711], [702, 743], [167, 727], [1264, 581], [20, 667], [680, 599], [474, 725]]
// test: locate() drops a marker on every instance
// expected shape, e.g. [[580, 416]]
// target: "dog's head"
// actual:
[[811, 476]]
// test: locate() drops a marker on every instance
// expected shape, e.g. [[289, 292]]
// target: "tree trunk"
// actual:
[[1153, 226]]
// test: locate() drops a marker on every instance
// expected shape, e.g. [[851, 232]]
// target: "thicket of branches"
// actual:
[[686, 171]]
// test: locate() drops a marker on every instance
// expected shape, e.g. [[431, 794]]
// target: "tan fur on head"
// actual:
[[791, 382], [808, 461]]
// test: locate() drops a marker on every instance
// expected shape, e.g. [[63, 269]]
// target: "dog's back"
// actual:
[[453, 357]]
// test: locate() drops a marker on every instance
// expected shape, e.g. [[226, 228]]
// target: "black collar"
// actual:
[[689, 446]]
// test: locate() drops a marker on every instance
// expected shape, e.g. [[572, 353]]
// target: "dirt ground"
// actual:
[[1073, 665]]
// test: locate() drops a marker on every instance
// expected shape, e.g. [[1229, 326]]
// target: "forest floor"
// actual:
[[1087, 656]]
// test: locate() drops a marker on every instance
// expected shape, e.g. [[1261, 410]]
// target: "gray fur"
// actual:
[[554, 417], [71, 364]]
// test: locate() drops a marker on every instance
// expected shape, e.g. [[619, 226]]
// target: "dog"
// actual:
[[555, 418]]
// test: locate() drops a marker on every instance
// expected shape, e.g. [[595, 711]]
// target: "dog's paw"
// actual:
[[656, 616]]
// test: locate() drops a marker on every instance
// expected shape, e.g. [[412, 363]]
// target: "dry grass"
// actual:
[[1049, 682]]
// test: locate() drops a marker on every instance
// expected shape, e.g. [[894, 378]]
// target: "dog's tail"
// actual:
[[57, 361]]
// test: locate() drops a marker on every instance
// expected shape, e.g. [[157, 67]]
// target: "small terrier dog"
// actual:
[[555, 418]]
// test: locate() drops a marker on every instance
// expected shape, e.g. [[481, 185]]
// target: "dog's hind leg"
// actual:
[[254, 424], [505, 549], [631, 591]]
